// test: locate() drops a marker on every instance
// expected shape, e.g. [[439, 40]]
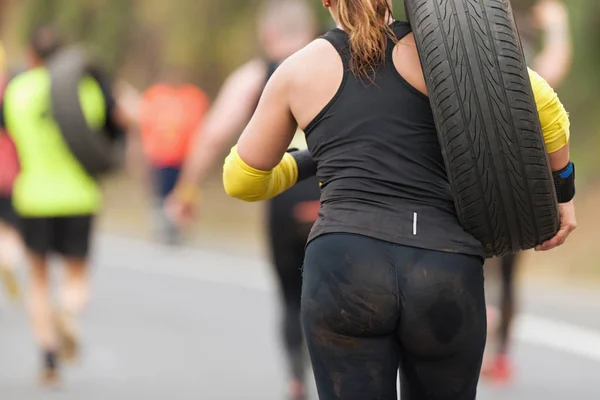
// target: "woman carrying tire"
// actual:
[[391, 279]]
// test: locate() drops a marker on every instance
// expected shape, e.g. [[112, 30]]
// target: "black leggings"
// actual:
[[507, 300], [371, 308], [287, 237]]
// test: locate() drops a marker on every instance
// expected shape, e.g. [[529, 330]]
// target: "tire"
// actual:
[[487, 121], [94, 151]]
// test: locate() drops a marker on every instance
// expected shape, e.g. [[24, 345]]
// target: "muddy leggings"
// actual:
[[287, 240], [371, 308]]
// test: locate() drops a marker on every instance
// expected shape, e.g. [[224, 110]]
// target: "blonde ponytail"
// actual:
[[367, 24]]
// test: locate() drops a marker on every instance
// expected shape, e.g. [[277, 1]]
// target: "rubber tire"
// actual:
[[487, 121], [92, 149]]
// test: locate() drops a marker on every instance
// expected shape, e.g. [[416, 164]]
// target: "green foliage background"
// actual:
[[139, 39]]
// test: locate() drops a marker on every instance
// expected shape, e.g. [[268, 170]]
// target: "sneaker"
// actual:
[[499, 371], [50, 376], [296, 390]]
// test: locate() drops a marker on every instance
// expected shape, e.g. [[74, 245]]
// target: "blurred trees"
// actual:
[[139, 39], [103, 24], [142, 38]]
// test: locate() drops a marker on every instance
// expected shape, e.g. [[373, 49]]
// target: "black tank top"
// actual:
[[380, 162]]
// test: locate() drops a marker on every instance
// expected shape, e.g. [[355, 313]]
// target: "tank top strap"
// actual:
[[339, 40], [400, 29]]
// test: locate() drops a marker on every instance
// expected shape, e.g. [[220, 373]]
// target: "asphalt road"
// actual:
[[186, 324]]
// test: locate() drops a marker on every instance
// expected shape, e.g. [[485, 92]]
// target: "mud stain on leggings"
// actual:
[[446, 318], [323, 329], [336, 378], [324, 337]]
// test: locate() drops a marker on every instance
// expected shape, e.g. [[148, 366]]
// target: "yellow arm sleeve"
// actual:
[[250, 184], [553, 116]]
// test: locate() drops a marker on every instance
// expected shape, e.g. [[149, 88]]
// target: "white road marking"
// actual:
[[206, 266], [559, 336]]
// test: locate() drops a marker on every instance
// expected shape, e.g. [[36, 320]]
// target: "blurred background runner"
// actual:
[[54, 196], [170, 112]]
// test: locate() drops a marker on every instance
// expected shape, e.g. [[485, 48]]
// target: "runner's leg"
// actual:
[[507, 302], [11, 247], [170, 176], [39, 300], [350, 316], [41, 315], [166, 178], [75, 289], [74, 296], [37, 233], [10, 253], [287, 253], [443, 324], [72, 241], [369, 307], [498, 368]]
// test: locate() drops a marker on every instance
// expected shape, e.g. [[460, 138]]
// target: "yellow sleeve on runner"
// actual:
[[553, 116], [250, 184]]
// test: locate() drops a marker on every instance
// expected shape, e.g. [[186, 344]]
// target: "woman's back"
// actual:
[[376, 146], [386, 121]]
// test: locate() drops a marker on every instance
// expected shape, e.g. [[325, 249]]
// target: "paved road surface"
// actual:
[[183, 324]]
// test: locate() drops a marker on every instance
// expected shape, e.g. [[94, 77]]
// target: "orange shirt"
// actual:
[[169, 117]]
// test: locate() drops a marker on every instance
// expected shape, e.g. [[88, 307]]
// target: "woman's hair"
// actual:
[[367, 24], [45, 41]]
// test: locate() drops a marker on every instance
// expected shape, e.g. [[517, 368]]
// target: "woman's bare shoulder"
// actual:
[[318, 58], [408, 64]]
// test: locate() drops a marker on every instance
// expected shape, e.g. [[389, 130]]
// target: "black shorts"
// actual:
[[66, 236], [7, 212]]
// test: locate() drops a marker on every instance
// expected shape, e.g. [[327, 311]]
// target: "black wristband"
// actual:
[[307, 167], [564, 182]]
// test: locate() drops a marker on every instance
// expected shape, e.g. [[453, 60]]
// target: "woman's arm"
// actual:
[[259, 166], [219, 130], [222, 125], [554, 120], [556, 129]]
